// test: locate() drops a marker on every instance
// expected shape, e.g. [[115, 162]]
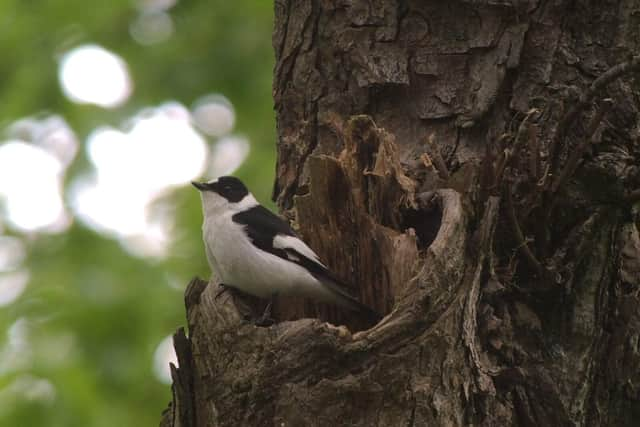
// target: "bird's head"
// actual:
[[226, 193]]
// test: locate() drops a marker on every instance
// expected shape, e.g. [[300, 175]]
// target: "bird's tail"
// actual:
[[344, 299]]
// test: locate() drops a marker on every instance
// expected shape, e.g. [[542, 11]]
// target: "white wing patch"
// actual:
[[282, 241], [293, 257]]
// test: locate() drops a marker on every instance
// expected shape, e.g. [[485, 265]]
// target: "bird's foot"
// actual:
[[264, 322], [223, 289]]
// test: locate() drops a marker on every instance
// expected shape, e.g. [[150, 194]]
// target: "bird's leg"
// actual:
[[223, 289], [265, 319]]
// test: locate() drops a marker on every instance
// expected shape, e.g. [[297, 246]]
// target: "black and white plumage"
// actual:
[[257, 252]]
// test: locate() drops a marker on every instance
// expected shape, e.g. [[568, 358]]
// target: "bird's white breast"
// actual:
[[242, 265]]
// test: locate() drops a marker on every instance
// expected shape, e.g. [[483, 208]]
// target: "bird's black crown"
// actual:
[[229, 187]]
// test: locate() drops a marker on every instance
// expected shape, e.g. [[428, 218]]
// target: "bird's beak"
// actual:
[[199, 185]]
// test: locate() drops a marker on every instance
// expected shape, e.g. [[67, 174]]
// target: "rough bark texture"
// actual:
[[472, 168]]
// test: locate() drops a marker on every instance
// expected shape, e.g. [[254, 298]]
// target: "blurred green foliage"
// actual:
[[94, 314]]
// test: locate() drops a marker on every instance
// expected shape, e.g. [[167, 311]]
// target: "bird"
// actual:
[[254, 251]]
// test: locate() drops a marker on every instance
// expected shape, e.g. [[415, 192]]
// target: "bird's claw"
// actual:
[[223, 289], [264, 322]]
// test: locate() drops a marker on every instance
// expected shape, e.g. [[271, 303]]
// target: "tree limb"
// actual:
[[576, 155], [523, 246], [585, 100]]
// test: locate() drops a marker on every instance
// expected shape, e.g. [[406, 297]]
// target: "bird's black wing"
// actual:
[[272, 234], [263, 226]]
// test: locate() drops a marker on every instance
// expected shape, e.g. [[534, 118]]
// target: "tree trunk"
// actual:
[[472, 168]]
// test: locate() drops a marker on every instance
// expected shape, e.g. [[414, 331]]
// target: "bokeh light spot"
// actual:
[[90, 74], [12, 253], [16, 353], [133, 169], [164, 355], [12, 285], [30, 388], [51, 133], [227, 155], [156, 5], [151, 27], [30, 182], [214, 115]]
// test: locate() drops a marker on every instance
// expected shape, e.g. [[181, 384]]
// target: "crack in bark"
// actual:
[[469, 330]]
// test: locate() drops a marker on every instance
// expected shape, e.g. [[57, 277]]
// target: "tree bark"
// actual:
[[472, 168]]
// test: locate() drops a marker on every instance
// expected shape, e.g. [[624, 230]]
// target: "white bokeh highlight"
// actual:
[[12, 285], [133, 170], [90, 74], [51, 133], [16, 353], [164, 355], [12, 253], [156, 5], [227, 155], [31, 186], [214, 115], [151, 28], [28, 387]]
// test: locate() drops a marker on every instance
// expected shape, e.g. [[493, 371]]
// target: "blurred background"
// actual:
[[107, 111]]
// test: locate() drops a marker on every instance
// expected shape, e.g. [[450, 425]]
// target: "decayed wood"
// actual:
[[472, 335]]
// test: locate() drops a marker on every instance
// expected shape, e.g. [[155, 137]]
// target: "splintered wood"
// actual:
[[352, 216]]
